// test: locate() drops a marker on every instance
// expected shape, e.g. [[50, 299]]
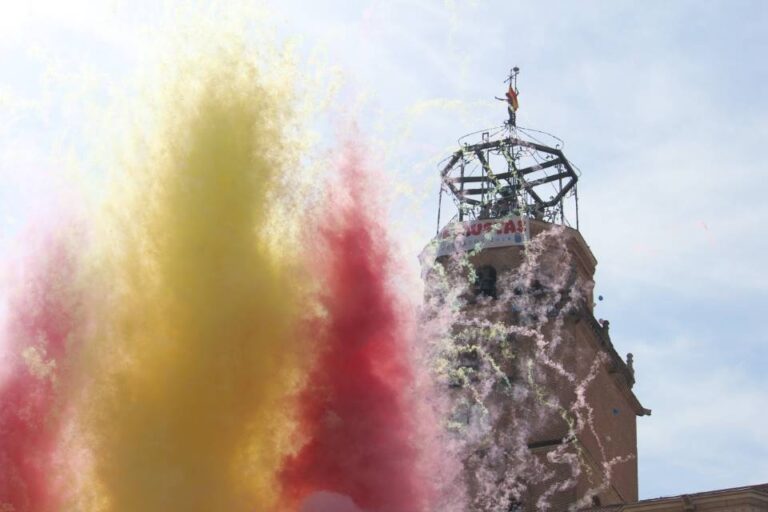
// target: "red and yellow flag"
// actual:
[[512, 98]]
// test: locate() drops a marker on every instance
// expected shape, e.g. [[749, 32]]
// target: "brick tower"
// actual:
[[542, 400]]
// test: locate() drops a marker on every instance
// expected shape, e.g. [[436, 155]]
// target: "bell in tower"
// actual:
[[540, 402]]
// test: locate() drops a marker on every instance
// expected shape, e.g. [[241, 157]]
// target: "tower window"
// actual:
[[485, 281], [467, 368]]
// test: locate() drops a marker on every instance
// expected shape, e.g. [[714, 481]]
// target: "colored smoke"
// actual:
[[323, 501], [40, 321], [355, 419], [220, 366], [193, 349], [223, 367]]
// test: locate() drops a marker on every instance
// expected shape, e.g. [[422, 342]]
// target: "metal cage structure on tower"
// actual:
[[511, 171]]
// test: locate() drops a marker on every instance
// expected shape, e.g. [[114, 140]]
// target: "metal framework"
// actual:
[[510, 176]]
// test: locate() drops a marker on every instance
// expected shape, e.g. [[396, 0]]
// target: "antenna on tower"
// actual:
[[512, 79]]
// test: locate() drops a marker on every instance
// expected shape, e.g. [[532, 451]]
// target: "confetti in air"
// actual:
[[509, 358]]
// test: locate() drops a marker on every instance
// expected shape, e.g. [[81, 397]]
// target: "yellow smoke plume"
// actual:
[[192, 349]]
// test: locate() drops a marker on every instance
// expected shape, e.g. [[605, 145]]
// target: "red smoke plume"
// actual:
[[353, 413], [39, 321]]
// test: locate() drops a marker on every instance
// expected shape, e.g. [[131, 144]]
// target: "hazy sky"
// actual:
[[661, 105]]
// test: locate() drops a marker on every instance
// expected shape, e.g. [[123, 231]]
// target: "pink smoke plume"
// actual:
[[38, 324], [360, 449]]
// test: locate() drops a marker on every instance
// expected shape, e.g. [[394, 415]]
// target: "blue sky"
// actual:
[[661, 105]]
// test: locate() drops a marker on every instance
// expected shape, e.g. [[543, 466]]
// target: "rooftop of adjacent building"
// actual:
[[746, 498]]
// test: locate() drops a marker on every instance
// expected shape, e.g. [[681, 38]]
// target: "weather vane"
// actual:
[[511, 96]]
